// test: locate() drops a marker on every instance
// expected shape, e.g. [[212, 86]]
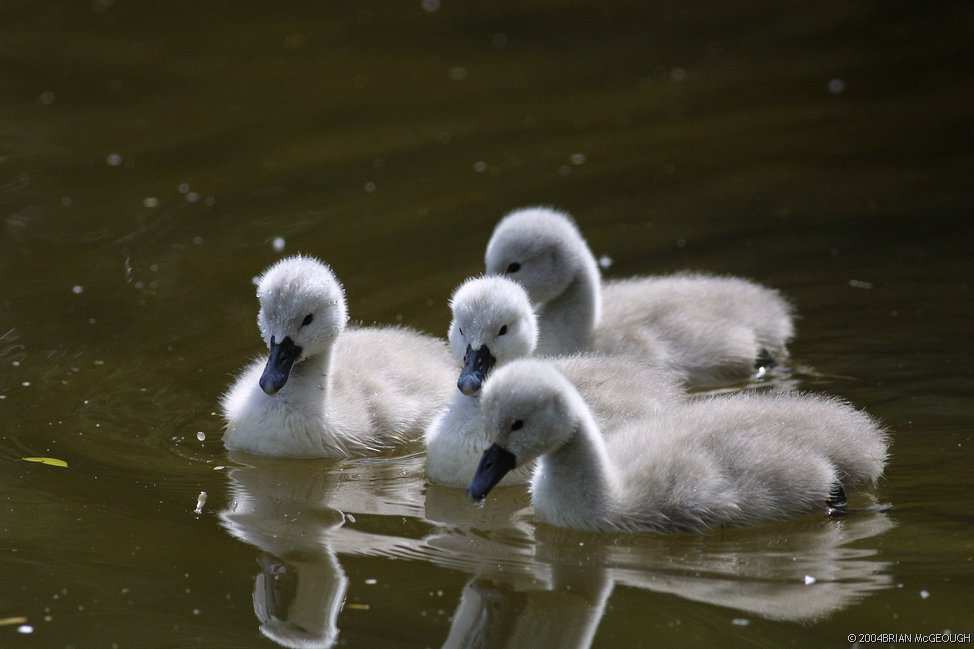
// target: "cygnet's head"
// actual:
[[493, 323], [541, 249], [302, 311], [529, 409]]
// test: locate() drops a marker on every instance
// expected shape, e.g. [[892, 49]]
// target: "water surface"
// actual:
[[155, 157]]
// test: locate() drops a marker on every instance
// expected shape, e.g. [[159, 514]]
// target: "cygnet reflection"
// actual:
[[799, 571], [296, 514]]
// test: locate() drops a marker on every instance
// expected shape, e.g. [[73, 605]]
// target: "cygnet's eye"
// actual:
[[513, 267], [517, 424], [502, 331], [307, 319]]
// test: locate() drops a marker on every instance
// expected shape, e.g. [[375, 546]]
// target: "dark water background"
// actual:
[[154, 156]]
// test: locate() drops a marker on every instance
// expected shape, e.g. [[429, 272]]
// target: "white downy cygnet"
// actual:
[[328, 391], [493, 324], [734, 460], [711, 330]]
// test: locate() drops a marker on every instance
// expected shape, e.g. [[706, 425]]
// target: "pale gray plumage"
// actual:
[[731, 460], [350, 392], [710, 329], [492, 315]]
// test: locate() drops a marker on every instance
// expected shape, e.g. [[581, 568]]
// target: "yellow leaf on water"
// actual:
[[53, 461], [357, 607], [7, 621]]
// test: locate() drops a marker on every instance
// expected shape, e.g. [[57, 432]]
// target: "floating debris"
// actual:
[[200, 501], [50, 461], [809, 580], [856, 283], [201, 436]]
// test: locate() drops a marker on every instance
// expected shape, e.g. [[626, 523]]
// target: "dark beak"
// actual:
[[279, 361], [494, 465], [476, 366]]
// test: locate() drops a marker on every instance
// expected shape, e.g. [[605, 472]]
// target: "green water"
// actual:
[[152, 153]]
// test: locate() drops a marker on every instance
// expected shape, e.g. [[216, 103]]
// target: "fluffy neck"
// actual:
[[308, 386], [573, 485], [565, 323]]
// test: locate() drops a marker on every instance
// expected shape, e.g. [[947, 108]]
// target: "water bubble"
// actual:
[[183, 188], [277, 244], [809, 580], [150, 202], [25, 629], [371, 582], [458, 73], [480, 167], [499, 40], [46, 98], [678, 74], [740, 621], [78, 290], [370, 187], [192, 197], [201, 436], [924, 594], [605, 261], [113, 159], [430, 6], [577, 159], [66, 201], [836, 86]]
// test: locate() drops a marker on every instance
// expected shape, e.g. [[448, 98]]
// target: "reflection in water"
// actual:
[[298, 601], [301, 586], [292, 511], [494, 614], [799, 571], [529, 586]]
